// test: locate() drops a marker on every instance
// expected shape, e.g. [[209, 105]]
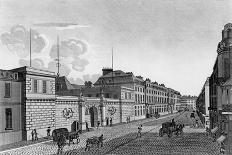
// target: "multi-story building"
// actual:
[[220, 84], [10, 107], [188, 102], [29, 101], [38, 100], [151, 95], [202, 104]]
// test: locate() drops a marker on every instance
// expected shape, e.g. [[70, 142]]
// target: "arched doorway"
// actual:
[[93, 116], [75, 126]]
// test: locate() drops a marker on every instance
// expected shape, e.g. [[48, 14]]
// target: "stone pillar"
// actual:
[[81, 110], [103, 110]]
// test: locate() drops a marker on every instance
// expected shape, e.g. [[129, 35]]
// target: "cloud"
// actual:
[[61, 26], [64, 69], [18, 41], [87, 77], [93, 78], [76, 81], [38, 63], [71, 50]]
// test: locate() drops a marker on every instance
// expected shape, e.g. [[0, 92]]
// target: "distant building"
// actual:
[[188, 102], [156, 97]]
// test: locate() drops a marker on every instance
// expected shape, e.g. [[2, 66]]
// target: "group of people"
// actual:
[[98, 124], [34, 135]]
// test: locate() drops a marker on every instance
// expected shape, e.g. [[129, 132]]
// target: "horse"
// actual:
[[93, 141], [179, 129], [72, 136], [61, 140]]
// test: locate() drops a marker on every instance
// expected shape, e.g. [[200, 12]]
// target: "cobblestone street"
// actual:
[[122, 139]]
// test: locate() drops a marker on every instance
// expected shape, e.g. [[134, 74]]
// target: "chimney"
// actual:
[[106, 71]]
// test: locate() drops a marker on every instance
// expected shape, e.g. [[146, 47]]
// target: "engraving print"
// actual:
[[115, 77]]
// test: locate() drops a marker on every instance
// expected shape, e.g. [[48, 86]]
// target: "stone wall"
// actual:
[[115, 116], [127, 111], [64, 120], [40, 114]]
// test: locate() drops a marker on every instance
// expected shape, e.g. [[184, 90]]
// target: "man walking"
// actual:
[[111, 121], [139, 134], [98, 124], [87, 126]]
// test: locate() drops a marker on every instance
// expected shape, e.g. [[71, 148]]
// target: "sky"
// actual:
[[173, 42]]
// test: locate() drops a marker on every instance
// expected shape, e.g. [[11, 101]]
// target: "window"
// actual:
[[36, 86], [129, 96], [116, 96], [44, 87], [8, 113], [7, 90], [135, 110]]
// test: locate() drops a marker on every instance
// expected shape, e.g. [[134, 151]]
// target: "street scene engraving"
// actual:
[[115, 77]]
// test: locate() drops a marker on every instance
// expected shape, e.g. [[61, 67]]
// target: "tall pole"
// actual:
[[30, 47], [112, 65], [58, 57]]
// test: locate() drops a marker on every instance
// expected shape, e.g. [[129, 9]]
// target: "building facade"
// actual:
[[220, 107], [37, 99], [202, 104], [188, 102], [153, 96], [10, 107]]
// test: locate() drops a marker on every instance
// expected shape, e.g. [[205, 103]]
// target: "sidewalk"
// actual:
[[46, 139]]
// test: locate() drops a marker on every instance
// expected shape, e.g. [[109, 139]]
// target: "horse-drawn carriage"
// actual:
[[171, 127], [94, 141], [70, 136]]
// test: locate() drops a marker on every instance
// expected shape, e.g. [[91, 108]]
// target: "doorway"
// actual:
[[93, 116], [75, 126], [107, 121]]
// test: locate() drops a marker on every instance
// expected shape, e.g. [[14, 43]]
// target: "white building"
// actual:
[[10, 108]]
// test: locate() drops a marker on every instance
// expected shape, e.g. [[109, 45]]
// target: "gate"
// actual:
[[93, 116]]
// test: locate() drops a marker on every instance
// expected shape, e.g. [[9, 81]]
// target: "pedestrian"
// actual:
[[196, 124], [173, 122], [36, 134], [87, 126], [48, 131], [32, 135], [98, 124], [111, 121], [127, 120], [60, 143], [139, 134]]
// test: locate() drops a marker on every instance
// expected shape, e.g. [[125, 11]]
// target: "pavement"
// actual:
[[121, 139]]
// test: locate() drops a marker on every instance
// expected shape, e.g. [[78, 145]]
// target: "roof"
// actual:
[[76, 86], [117, 73], [66, 85]]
